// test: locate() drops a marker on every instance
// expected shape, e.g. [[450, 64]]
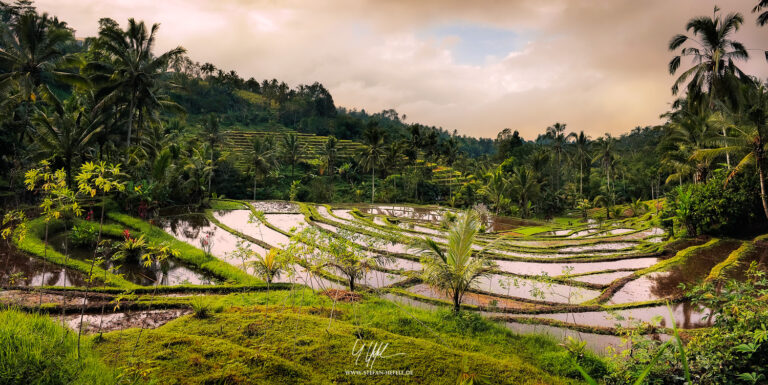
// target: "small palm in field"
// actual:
[[269, 266], [455, 268]]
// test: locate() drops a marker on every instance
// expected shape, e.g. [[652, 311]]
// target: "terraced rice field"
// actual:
[[585, 281]]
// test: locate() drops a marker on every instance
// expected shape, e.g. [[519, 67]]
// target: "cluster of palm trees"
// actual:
[[724, 114], [559, 157], [104, 98]]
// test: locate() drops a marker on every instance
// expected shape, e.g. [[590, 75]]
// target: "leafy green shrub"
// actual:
[[36, 350], [83, 235], [715, 207]]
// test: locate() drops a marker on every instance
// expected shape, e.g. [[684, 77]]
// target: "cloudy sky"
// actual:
[[477, 67]]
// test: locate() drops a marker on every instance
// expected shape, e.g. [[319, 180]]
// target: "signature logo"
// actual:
[[369, 352]]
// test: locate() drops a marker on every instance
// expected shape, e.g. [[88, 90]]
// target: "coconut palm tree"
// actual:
[[65, 134], [496, 188], [198, 171], [262, 158], [133, 74], [558, 141], [750, 128], [762, 18], [455, 269], [373, 154], [213, 136], [525, 187], [605, 155], [712, 53], [329, 153], [688, 131], [292, 150], [32, 55], [582, 155]]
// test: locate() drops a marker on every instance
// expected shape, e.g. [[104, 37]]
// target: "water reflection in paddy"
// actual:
[[195, 227], [168, 272], [28, 271], [595, 342], [238, 220], [535, 290], [602, 278], [555, 269], [287, 222], [686, 316], [666, 284]]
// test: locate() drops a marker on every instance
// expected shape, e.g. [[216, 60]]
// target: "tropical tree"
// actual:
[[762, 7], [605, 155], [32, 55], [712, 52], [582, 155], [750, 128], [64, 135], [262, 158], [131, 72], [329, 153], [455, 268], [525, 188], [688, 131], [268, 266], [213, 136], [198, 172], [496, 188], [373, 154], [558, 140], [292, 150]]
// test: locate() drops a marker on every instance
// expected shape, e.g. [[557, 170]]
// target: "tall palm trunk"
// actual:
[[581, 178], [254, 187], [210, 178], [759, 159], [131, 107], [373, 183], [456, 302]]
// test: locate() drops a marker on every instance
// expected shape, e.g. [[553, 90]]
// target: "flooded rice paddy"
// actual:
[[519, 286]]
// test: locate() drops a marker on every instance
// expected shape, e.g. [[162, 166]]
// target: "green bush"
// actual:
[[715, 207], [36, 350], [83, 235]]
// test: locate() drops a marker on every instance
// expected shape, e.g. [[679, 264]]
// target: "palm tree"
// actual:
[[134, 73], [373, 154], [606, 156], [269, 266], [496, 188], [689, 130], [32, 55], [262, 158], [32, 58], [292, 150], [198, 171], [65, 135], [558, 141], [455, 269], [525, 187], [712, 52], [605, 202], [582, 155], [212, 135], [329, 153], [750, 126]]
